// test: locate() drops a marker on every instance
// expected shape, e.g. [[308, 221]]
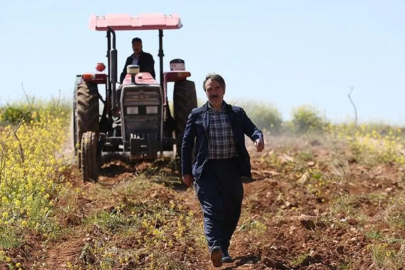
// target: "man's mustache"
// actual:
[[214, 96]]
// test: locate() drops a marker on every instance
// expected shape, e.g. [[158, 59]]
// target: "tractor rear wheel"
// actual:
[[87, 112], [90, 156], [184, 100], [74, 113]]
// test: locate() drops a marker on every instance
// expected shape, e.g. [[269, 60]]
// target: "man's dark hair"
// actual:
[[137, 39], [214, 77]]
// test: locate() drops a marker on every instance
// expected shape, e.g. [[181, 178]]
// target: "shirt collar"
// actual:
[[222, 108], [136, 55]]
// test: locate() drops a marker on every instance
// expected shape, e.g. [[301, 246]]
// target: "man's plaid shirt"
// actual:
[[221, 138]]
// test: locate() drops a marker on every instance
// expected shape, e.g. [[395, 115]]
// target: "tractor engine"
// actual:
[[141, 104]]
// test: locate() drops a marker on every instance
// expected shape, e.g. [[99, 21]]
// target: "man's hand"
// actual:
[[188, 179], [259, 145]]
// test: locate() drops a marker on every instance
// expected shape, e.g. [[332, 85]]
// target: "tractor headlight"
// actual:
[[132, 110], [151, 109], [133, 69]]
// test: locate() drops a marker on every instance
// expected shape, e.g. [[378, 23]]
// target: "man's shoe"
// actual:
[[216, 256], [226, 258]]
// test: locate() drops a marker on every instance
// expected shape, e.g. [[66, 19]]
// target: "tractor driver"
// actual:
[[143, 59]]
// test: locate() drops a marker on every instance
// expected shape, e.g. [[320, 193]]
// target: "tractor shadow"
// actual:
[[113, 165], [164, 171]]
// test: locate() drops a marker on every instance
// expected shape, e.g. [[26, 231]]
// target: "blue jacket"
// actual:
[[197, 129]]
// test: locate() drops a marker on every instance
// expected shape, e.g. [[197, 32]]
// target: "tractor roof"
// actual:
[[147, 21]]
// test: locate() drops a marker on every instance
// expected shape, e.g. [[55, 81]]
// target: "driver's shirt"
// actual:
[[135, 59]]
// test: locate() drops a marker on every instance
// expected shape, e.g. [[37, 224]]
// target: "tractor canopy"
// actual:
[[146, 21]]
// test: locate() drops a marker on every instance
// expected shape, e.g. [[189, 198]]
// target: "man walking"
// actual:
[[221, 161]]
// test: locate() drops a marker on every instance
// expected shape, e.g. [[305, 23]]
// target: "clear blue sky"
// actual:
[[285, 52]]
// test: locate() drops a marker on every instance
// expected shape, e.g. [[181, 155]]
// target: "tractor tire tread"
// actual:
[[90, 160]]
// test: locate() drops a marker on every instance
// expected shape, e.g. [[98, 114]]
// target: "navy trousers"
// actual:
[[220, 192]]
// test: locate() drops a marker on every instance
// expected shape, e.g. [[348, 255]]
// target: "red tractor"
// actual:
[[139, 124]]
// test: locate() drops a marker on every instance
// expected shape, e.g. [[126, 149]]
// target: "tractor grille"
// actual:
[[142, 112], [135, 97], [133, 123]]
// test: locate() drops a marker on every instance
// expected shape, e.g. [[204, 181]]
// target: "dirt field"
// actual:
[[310, 205]]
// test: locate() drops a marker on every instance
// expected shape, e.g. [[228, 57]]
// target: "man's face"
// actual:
[[137, 47], [215, 93]]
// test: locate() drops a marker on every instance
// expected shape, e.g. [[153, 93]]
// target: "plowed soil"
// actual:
[[310, 205]]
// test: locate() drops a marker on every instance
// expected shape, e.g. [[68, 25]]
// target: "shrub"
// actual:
[[30, 112], [306, 118], [14, 114], [266, 116]]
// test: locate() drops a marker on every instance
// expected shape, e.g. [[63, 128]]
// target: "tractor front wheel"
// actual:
[[90, 157], [87, 112]]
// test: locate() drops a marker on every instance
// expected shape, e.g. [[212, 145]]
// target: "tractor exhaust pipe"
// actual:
[[113, 73], [161, 55]]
